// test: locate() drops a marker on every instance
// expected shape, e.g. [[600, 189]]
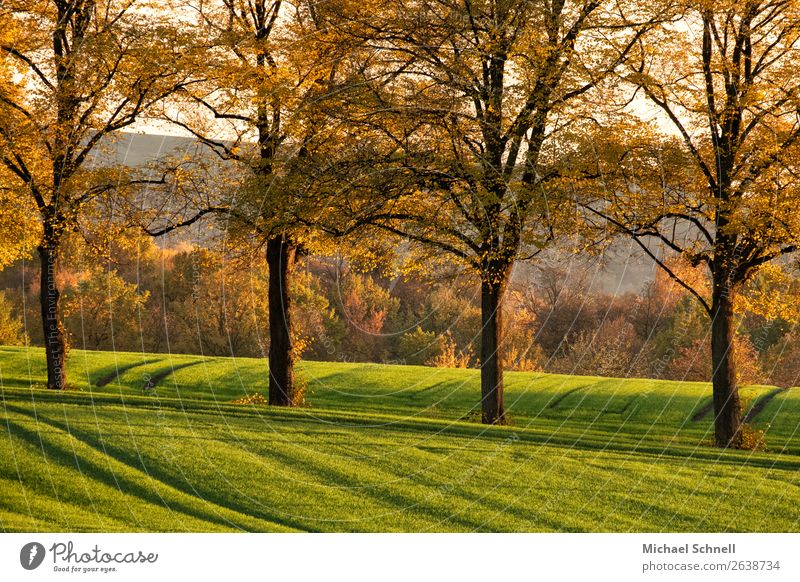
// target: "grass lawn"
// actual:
[[159, 446]]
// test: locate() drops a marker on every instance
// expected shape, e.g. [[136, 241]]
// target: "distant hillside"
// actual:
[[623, 268], [136, 149]]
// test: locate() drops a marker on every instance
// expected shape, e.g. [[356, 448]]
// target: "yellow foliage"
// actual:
[[773, 293]]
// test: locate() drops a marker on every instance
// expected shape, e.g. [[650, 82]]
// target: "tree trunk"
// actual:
[[492, 290], [281, 254], [54, 341], [727, 412]]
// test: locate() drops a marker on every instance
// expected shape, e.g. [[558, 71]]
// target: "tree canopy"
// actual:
[[722, 190]]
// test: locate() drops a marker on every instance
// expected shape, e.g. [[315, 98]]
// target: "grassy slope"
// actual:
[[381, 448]]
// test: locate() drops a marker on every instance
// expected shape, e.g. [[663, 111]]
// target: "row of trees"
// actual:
[[483, 131], [192, 300]]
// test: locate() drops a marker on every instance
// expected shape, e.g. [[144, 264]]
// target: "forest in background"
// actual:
[[192, 300]]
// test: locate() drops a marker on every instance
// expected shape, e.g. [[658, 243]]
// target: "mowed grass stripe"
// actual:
[[101, 463], [26, 509], [600, 437], [88, 498], [206, 472]]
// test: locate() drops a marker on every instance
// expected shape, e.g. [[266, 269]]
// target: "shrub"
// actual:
[[450, 355], [751, 438], [611, 350], [419, 347], [12, 331], [783, 362], [693, 363]]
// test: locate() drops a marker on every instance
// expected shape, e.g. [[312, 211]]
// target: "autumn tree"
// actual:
[[101, 311], [12, 330], [74, 72], [264, 66], [220, 308], [722, 190], [473, 96]]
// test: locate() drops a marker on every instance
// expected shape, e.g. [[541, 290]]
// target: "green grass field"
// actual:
[[159, 446]]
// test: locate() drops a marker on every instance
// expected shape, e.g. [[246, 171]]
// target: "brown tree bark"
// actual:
[[727, 411], [54, 341], [492, 290], [281, 256]]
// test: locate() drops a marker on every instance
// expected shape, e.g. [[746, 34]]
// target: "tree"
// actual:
[[103, 310], [723, 193], [263, 66], [221, 309], [12, 330], [363, 306], [563, 305], [472, 97], [609, 350], [75, 72]]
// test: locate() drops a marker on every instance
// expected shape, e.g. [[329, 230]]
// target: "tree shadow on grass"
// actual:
[[129, 484], [548, 432]]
